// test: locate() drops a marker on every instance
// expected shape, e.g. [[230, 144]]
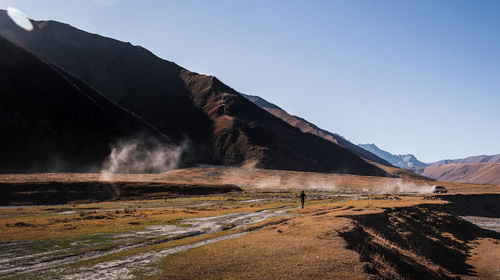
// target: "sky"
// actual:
[[420, 77]]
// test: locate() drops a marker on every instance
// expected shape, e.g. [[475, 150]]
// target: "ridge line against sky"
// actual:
[[418, 77]]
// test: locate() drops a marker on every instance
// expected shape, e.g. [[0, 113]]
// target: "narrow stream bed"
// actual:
[[22, 257]]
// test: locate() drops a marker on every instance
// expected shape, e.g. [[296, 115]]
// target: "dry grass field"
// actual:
[[252, 179], [353, 227], [259, 179]]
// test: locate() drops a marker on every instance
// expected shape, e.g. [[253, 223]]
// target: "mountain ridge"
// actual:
[[471, 159], [480, 173], [308, 127], [482, 169], [406, 161], [222, 126]]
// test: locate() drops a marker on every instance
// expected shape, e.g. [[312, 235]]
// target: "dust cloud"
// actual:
[[399, 186], [268, 179], [140, 155]]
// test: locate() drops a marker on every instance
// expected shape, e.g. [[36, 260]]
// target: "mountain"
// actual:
[[308, 127], [51, 121], [221, 126], [480, 173], [473, 159], [481, 169], [407, 161]]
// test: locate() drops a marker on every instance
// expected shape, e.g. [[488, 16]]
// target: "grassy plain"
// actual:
[[353, 227]]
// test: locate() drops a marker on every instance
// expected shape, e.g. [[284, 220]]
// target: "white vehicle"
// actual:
[[439, 189]]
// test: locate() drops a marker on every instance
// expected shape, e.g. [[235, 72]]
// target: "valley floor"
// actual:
[[258, 233]]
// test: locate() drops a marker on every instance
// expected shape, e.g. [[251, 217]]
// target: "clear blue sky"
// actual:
[[419, 77]]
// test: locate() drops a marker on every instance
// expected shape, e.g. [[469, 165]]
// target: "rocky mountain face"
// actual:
[[220, 125]]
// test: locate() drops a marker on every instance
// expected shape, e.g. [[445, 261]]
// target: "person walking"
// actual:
[[302, 199]]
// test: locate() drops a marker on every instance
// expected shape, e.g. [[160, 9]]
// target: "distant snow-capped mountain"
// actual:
[[407, 161]]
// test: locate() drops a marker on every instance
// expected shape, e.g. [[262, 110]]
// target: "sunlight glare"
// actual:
[[19, 18]]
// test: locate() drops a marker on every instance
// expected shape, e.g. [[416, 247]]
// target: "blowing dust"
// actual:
[[141, 156], [281, 180], [274, 179], [399, 186]]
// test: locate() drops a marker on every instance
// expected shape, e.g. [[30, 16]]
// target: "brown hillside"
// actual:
[[222, 126], [473, 159], [480, 173]]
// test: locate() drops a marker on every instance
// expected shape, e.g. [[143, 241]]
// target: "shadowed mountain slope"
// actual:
[[222, 126], [51, 121], [308, 127]]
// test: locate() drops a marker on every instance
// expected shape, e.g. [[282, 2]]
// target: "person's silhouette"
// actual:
[[302, 198]]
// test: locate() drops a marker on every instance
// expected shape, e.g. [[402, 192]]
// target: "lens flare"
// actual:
[[19, 18]]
